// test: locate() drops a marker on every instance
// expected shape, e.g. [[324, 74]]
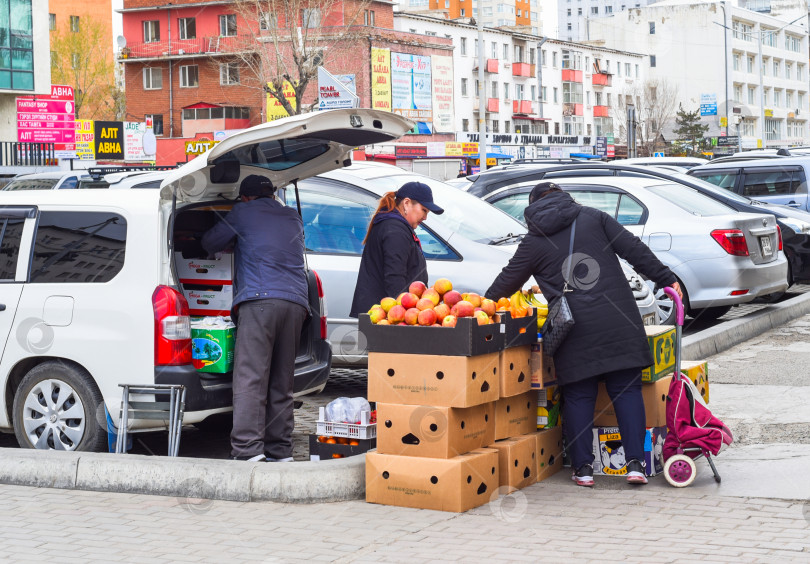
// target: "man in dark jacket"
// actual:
[[392, 257], [608, 340], [272, 303]]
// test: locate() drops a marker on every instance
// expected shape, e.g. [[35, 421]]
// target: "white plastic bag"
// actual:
[[346, 410]]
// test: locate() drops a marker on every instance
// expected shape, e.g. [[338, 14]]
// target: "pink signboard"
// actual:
[[49, 120]]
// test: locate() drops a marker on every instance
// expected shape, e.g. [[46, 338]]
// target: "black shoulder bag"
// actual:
[[560, 320]]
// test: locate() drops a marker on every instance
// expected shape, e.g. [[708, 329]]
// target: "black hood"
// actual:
[[551, 214]]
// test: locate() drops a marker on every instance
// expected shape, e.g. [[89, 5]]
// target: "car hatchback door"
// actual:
[[776, 185]]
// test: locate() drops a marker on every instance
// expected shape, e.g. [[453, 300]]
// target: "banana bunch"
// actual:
[[519, 304]]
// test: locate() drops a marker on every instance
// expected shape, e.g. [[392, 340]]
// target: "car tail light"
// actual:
[[321, 305], [172, 327], [732, 240], [738, 293], [779, 231]]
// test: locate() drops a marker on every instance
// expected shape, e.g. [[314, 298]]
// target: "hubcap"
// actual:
[[53, 416], [664, 305], [680, 471]]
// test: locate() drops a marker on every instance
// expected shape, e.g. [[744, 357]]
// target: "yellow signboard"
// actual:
[[768, 113], [274, 108], [85, 140], [469, 148], [453, 149], [381, 79], [723, 122], [199, 146]]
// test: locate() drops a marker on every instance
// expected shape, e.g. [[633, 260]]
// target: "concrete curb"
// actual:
[[301, 482]]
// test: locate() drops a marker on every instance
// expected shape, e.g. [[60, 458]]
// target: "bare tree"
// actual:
[[289, 39], [655, 102]]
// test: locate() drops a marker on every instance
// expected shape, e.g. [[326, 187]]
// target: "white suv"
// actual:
[[92, 296]]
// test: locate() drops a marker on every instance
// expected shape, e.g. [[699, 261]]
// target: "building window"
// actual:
[[556, 127], [608, 10], [368, 18], [773, 129], [519, 92], [151, 31], [52, 22], [518, 54], [789, 100], [507, 126], [543, 57], [572, 92], [569, 27], [768, 36], [311, 17], [465, 125], [188, 28], [793, 43], [777, 98], [152, 78], [776, 69], [227, 25], [16, 45], [494, 89], [494, 49], [749, 67], [743, 31], [788, 71], [189, 76], [554, 91], [652, 28], [157, 123], [751, 93], [75, 60], [595, 10], [799, 72], [572, 60], [652, 60], [74, 24], [554, 59], [462, 12], [619, 69], [496, 126], [588, 98], [464, 87], [637, 72], [506, 91], [736, 59], [229, 74], [463, 46], [579, 11], [737, 93], [800, 97], [532, 56], [544, 94]]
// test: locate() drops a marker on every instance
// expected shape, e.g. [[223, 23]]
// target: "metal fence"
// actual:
[[13, 153]]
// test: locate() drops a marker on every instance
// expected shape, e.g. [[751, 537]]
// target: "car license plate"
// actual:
[[765, 242], [649, 319]]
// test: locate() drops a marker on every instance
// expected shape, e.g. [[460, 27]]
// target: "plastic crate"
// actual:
[[362, 430]]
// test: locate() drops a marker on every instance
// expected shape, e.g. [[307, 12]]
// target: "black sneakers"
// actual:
[[635, 472], [583, 476]]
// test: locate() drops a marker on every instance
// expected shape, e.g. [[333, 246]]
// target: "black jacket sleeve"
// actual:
[[633, 250], [515, 274], [396, 247]]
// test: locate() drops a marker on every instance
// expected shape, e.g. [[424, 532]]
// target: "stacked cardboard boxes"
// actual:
[[207, 283]]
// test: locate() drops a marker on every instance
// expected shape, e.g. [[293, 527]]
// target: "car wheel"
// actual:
[[709, 313], [55, 408]]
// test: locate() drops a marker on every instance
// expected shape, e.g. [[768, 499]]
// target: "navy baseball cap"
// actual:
[[255, 185], [419, 192]]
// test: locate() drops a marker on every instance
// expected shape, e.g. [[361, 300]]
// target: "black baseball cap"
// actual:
[[419, 192], [255, 185]]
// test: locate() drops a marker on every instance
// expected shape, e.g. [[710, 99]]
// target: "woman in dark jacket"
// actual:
[[392, 257], [607, 341]]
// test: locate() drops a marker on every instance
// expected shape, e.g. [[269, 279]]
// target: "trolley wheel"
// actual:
[[680, 470]]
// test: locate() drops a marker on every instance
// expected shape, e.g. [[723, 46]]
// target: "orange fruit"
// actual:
[[336, 455], [321, 439], [331, 441], [354, 443], [342, 441]]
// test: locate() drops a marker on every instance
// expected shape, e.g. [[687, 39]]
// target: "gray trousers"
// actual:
[[267, 337]]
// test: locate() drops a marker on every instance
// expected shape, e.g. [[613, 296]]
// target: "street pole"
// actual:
[[739, 137], [482, 91], [761, 90]]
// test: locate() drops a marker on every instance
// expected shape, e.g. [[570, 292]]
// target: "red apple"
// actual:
[[442, 286], [432, 295], [423, 304], [463, 309], [402, 323], [442, 311], [417, 288], [399, 298], [383, 322], [426, 317], [396, 314], [449, 321], [409, 300], [377, 314], [451, 298], [387, 304], [473, 298], [412, 316], [487, 305], [482, 317]]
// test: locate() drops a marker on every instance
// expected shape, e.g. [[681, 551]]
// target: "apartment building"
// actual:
[[524, 14]]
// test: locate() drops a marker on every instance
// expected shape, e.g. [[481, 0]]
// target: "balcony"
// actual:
[[601, 111], [492, 65], [521, 106], [189, 47], [521, 69], [572, 110], [569, 75], [493, 105], [601, 79]]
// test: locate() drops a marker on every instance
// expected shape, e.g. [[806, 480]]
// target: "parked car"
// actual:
[[721, 257], [684, 163], [781, 180], [55, 180], [125, 177], [469, 244], [92, 296]]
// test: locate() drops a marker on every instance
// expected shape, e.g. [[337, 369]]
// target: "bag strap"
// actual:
[[570, 255]]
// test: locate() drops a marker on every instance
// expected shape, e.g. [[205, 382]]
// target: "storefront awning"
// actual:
[[491, 156]]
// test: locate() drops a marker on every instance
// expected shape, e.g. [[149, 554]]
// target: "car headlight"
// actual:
[[797, 225]]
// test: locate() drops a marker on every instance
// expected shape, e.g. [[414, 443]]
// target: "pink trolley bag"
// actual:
[[692, 429]]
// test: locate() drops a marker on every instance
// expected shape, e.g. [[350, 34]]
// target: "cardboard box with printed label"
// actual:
[[549, 452], [205, 299], [661, 339], [515, 415], [655, 405], [194, 269], [515, 371], [609, 455], [452, 484], [542, 367], [698, 372], [548, 407], [517, 458], [436, 432], [447, 381]]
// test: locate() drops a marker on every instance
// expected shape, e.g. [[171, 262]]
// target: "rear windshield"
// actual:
[[32, 184], [690, 200], [280, 154]]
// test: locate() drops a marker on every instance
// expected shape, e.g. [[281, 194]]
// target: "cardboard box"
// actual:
[[453, 484], [609, 457], [514, 370], [549, 452], [520, 330], [517, 462], [467, 338], [436, 432], [698, 372], [212, 348], [327, 451], [655, 405], [447, 381], [205, 299], [542, 367], [192, 270], [661, 339], [548, 407], [515, 415]]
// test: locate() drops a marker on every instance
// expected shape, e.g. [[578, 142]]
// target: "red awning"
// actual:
[[384, 157], [529, 118], [201, 106]]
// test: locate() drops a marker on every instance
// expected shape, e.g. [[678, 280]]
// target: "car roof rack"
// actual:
[[99, 171]]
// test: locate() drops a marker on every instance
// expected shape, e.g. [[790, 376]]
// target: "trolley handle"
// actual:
[[678, 304]]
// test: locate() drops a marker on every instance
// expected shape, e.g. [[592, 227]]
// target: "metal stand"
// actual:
[[171, 410]]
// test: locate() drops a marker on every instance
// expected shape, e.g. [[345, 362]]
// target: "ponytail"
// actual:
[[388, 203]]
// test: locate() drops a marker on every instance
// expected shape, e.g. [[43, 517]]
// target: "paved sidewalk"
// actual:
[[551, 521]]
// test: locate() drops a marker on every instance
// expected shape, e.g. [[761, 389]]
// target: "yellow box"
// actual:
[[698, 372], [661, 339]]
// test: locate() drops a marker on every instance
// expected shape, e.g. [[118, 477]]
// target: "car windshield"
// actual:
[[465, 214], [32, 184], [690, 200]]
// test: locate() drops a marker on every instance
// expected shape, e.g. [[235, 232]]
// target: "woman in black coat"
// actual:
[[608, 340], [392, 256]]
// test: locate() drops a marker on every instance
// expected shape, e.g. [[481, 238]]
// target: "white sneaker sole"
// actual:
[[636, 478]]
